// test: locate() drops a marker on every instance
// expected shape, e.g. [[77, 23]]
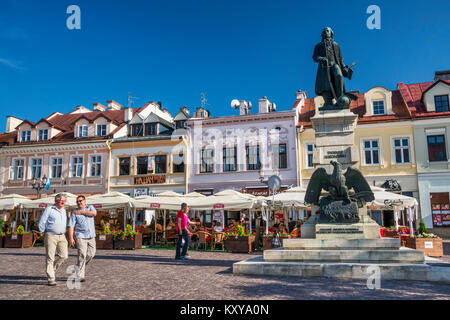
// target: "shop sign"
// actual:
[[150, 180], [42, 205], [219, 206], [97, 206], [155, 205], [140, 192], [428, 244]]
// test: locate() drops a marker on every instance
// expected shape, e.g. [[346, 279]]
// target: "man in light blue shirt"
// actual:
[[82, 222], [53, 222]]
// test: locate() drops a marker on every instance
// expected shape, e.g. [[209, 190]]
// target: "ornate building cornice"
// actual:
[[60, 147]]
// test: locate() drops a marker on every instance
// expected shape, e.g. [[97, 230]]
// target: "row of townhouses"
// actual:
[[402, 136]]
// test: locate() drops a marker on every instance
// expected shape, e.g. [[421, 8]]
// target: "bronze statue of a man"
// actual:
[[331, 72]]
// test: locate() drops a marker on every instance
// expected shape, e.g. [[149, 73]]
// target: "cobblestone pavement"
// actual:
[[154, 274]]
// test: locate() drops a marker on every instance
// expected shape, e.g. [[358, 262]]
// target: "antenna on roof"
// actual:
[[131, 100], [204, 101]]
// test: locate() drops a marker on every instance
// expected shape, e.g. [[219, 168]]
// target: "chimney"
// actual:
[[159, 104], [128, 114], [185, 109], [244, 107], [442, 75], [113, 105], [300, 95], [201, 113], [99, 107], [266, 106], [12, 123]]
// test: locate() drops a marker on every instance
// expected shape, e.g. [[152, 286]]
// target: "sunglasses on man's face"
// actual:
[[80, 200]]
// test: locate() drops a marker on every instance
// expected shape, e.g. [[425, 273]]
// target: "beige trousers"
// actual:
[[86, 251], [55, 244]]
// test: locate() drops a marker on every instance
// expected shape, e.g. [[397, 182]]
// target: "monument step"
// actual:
[[342, 244], [357, 271], [346, 256]]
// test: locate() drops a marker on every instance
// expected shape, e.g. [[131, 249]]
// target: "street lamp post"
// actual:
[[38, 185]]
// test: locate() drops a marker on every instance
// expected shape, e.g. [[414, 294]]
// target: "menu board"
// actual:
[[441, 215]]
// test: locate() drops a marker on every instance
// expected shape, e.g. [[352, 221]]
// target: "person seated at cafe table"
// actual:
[[170, 225], [296, 233], [282, 228]]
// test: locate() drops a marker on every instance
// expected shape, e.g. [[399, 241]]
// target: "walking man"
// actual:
[[82, 222], [53, 222], [182, 223]]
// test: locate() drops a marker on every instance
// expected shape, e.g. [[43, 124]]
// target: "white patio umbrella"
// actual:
[[71, 201], [226, 200], [11, 201], [15, 202], [113, 200], [294, 197]]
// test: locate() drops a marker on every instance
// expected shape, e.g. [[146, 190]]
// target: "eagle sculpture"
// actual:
[[338, 185]]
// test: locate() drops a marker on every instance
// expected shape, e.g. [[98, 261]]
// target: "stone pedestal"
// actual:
[[335, 137]]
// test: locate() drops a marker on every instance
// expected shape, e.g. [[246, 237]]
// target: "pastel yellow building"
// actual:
[[384, 139]]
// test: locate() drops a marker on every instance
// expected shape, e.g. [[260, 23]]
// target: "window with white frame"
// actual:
[[42, 134], [18, 169], [206, 160], [309, 155], [76, 166], [401, 150], [36, 168], [83, 131], [378, 107], [253, 159], [371, 152], [279, 156], [101, 130], [229, 159], [95, 166], [25, 136], [56, 168]]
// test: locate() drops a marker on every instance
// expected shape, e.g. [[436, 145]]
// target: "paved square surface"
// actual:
[[155, 274]]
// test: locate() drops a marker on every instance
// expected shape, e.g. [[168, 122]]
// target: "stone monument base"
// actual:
[[346, 259]]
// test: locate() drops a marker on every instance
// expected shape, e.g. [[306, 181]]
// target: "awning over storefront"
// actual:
[[11, 201], [71, 201]]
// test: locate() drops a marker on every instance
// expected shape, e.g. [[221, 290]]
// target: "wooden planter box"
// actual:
[[268, 244], [391, 234], [105, 241], [432, 247], [240, 244], [136, 243], [2, 241], [19, 240]]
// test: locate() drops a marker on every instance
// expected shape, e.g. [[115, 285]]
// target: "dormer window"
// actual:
[[441, 103], [83, 131], [378, 107], [101, 130], [179, 124], [25, 136], [150, 129], [42, 134]]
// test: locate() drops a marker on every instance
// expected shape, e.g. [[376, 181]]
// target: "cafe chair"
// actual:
[[203, 238]]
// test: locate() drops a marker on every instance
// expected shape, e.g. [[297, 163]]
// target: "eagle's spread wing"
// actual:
[[319, 180], [355, 180]]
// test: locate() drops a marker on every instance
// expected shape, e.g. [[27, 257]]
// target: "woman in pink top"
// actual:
[[182, 231]]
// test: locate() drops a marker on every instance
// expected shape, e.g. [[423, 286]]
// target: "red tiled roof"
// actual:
[[358, 107], [413, 94], [66, 123]]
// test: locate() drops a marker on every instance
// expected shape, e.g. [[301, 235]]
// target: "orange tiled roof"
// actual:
[[358, 107]]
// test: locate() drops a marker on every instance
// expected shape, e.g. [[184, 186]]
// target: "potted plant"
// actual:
[[390, 232], [427, 242], [239, 241], [127, 239], [105, 239], [2, 233], [19, 238], [271, 241]]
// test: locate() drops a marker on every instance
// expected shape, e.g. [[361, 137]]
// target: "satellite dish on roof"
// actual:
[[274, 183], [235, 104]]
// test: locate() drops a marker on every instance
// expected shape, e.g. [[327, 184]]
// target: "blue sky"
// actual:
[[172, 51]]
